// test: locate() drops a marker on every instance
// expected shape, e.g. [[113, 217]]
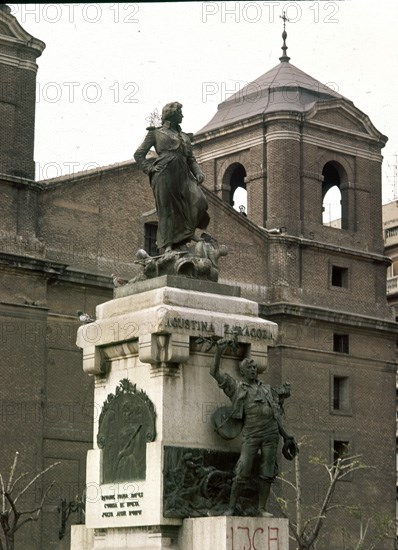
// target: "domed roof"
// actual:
[[283, 88]]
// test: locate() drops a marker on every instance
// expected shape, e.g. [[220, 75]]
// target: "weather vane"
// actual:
[[285, 18], [284, 36]]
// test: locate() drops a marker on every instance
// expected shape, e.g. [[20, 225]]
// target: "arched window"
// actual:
[[234, 186], [334, 201]]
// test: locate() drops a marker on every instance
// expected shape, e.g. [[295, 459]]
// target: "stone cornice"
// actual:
[[231, 128], [258, 120], [19, 182], [86, 278], [283, 116], [269, 135], [332, 128], [338, 249], [338, 359], [282, 134], [19, 37], [328, 143], [228, 149], [23, 311], [56, 270], [330, 316], [32, 263], [325, 142], [351, 112], [15, 61]]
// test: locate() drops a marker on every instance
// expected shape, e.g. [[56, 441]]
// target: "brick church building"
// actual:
[[285, 138]]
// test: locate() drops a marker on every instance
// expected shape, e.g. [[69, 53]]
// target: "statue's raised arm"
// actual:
[[221, 346]]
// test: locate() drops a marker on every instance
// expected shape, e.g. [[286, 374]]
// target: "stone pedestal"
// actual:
[[218, 533], [235, 533], [149, 352]]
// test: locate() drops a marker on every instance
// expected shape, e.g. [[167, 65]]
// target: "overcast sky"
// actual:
[[107, 66]]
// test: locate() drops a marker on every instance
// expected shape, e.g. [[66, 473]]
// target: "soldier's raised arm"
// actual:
[[221, 346]]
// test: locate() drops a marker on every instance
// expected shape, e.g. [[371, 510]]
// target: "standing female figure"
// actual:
[[175, 178]]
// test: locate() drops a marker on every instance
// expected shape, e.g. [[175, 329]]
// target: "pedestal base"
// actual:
[[234, 533], [215, 533]]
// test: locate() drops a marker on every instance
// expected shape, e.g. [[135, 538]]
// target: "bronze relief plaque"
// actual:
[[126, 424]]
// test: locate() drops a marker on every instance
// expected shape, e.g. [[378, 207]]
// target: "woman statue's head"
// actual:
[[172, 112]]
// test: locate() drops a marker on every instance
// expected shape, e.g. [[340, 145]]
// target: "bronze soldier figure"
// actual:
[[258, 406]]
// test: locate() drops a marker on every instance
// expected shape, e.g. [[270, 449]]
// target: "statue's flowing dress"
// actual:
[[180, 202]]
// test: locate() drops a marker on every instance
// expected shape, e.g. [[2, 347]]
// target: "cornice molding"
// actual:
[[274, 135], [15, 61], [327, 143], [328, 315], [19, 182], [227, 149], [282, 134], [202, 138], [19, 37], [352, 112]]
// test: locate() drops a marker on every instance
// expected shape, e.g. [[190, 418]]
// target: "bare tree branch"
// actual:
[[362, 535], [26, 520], [14, 465], [308, 521], [16, 481], [38, 508], [287, 482], [36, 511], [3, 498], [6, 518], [307, 534], [329, 471], [353, 469], [326, 500], [35, 479], [336, 507], [292, 523]]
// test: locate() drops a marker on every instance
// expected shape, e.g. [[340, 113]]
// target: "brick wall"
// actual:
[[17, 108]]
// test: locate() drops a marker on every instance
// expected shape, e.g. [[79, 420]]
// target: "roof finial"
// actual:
[[284, 36]]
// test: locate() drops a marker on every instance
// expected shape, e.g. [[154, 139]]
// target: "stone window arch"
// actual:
[[233, 179], [334, 195]]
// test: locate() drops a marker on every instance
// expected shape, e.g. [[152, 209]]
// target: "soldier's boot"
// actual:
[[265, 489], [233, 499]]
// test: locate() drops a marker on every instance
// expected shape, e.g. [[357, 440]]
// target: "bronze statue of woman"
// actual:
[[175, 178]]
